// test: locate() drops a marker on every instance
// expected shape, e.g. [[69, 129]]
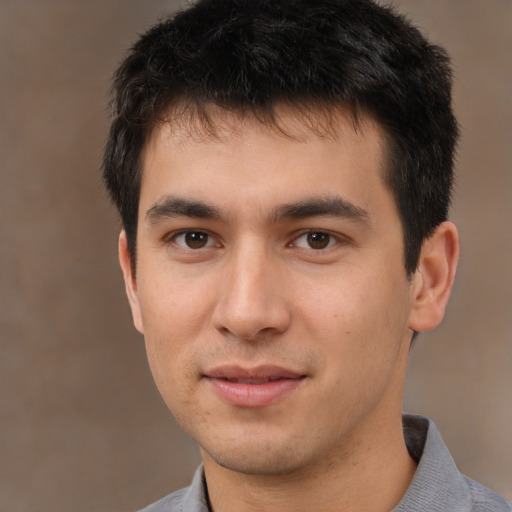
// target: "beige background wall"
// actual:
[[82, 426]]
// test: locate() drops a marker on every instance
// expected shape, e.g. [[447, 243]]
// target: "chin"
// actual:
[[264, 458], [259, 464]]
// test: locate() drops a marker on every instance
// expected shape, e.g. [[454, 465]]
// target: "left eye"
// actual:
[[193, 239], [317, 240]]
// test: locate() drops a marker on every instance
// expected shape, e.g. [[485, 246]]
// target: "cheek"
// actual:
[[173, 307], [173, 322], [358, 335], [359, 322], [336, 305], [172, 363]]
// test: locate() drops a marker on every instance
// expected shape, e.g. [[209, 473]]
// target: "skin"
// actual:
[[233, 271]]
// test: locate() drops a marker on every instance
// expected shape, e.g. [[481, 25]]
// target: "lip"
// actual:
[[253, 387]]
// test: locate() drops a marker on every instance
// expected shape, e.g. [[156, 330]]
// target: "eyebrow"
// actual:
[[170, 206], [325, 206], [336, 206]]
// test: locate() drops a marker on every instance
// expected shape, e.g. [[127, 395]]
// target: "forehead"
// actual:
[[295, 151]]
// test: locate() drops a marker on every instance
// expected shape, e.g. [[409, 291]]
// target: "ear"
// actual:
[[433, 279], [130, 282]]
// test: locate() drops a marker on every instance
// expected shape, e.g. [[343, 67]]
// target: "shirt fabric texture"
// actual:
[[437, 486]]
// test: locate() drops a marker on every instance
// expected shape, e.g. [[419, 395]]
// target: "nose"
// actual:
[[252, 297]]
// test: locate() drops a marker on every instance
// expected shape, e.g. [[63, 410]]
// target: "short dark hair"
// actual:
[[250, 56]]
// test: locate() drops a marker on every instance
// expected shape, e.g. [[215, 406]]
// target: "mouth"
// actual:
[[252, 381], [253, 387]]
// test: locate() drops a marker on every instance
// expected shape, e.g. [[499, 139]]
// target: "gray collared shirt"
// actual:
[[437, 486]]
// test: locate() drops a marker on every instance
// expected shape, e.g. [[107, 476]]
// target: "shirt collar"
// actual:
[[437, 484], [196, 497]]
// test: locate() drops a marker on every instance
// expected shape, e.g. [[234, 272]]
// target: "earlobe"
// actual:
[[130, 281], [433, 280]]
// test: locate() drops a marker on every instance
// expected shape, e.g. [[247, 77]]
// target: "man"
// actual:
[[283, 172]]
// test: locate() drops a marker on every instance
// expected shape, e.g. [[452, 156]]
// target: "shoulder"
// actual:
[[485, 500], [171, 503]]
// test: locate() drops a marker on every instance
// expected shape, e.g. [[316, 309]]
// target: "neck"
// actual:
[[370, 475]]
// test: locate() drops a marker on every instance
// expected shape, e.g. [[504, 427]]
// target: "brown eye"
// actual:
[[318, 240], [196, 240], [193, 239]]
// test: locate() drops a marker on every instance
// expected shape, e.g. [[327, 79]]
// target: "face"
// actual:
[[271, 290]]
